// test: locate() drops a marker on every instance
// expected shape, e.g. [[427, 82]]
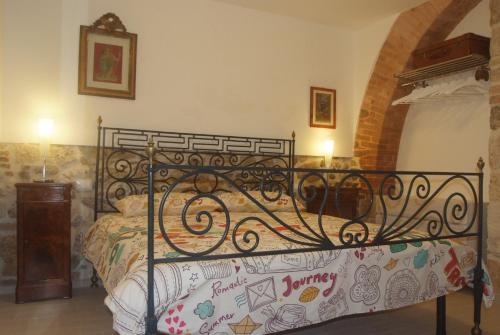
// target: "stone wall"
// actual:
[[71, 164], [494, 206]]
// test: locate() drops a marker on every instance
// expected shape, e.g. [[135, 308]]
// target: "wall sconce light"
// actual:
[[45, 131], [328, 147]]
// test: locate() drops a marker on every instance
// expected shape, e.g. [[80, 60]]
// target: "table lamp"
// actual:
[[328, 147], [45, 130]]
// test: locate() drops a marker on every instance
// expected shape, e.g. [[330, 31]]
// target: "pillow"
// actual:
[[238, 202], [137, 205], [189, 187]]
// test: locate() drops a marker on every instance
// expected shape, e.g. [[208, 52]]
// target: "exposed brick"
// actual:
[[495, 185], [494, 147], [494, 229], [494, 62], [495, 117], [493, 42], [495, 100], [494, 269], [494, 152], [495, 11]]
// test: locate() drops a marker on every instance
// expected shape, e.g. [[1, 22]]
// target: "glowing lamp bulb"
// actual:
[[45, 127], [328, 147]]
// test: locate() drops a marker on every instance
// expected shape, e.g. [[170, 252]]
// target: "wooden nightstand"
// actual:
[[348, 201], [43, 241]]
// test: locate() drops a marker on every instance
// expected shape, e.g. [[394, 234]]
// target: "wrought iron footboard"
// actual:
[[459, 215], [456, 219]]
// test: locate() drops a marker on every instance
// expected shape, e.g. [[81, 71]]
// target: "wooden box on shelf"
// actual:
[[348, 201], [453, 49], [43, 241]]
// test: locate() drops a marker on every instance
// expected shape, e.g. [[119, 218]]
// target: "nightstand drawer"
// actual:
[[45, 193]]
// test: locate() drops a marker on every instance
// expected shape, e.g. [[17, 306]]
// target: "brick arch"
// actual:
[[380, 125]]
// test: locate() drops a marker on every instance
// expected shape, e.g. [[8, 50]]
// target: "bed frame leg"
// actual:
[[478, 299], [94, 279], [151, 324], [478, 270], [441, 315]]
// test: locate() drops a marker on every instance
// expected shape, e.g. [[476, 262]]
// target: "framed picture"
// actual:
[[107, 59], [323, 112]]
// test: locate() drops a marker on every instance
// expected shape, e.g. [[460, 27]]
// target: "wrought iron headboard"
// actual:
[[121, 160]]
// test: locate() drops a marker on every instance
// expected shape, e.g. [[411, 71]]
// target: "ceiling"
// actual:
[[352, 14]]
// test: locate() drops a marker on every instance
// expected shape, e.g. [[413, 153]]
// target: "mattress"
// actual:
[[266, 294]]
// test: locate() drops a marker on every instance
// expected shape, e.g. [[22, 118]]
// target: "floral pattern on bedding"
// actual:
[[266, 294]]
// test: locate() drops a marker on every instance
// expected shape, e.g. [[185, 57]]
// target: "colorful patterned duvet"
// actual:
[[266, 294]]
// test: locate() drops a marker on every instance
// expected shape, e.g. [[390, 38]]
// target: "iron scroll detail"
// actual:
[[428, 209]]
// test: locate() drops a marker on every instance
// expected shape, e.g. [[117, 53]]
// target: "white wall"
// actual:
[[203, 66], [477, 21], [445, 136]]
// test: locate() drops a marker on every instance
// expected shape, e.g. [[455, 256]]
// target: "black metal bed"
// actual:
[[131, 161]]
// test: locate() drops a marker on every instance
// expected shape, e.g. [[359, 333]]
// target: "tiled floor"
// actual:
[[86, 314]]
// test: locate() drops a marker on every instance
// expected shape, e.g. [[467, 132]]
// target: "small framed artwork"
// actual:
[[107, 59], [323, 110]]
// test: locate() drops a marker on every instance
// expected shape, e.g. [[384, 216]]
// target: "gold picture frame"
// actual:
[[323, 112], [107, 59]]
